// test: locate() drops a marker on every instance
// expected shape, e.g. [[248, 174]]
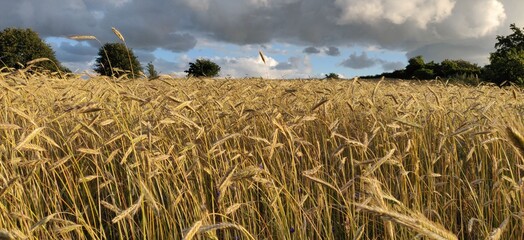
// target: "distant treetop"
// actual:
[[113, 60], [203, 68], [507, 62], [20, 46]]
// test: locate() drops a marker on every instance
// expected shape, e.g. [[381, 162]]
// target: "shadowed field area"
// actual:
[[259, 159]]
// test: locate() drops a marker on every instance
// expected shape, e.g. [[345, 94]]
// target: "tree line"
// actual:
[[417, 68], [506, 65], [20, 47]]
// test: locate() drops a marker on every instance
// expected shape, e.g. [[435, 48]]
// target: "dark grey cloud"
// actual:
[[175, 25], [144, 24], [381, 23], [454, 50], [362, 61], [332, 51], [391, 66], [284, 66], [311, 50], [144, 56], [78, 52], [292, 63], [359, 61], [165, 67]]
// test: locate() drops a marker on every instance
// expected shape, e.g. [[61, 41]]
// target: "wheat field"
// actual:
[[259, 159]]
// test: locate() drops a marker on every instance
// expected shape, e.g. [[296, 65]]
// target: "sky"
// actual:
[[299, 38]]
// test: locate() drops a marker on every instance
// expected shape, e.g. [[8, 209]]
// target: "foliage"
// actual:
[[332, 76], [452, 68], [419, 69], [424, 73], [19, 46], [151, 71], [203, 68], [117, 63], [507, 62], [414, 64], [398, 74]]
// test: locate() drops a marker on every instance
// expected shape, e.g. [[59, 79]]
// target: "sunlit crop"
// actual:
[[258, 159]]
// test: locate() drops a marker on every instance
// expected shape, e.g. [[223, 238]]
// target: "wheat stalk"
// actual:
[[262, 56], [419, 223], [192, 232], [82, 37], [496, 234], [118, 34], [91, 37], [121, 37], [230, 158], [516, 139], [129, 212]]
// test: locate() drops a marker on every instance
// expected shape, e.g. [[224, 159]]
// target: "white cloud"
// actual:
[[513, 11], [476, 18], [420, 12], [295, 67]]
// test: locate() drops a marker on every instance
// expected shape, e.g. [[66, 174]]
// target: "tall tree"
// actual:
[[507, 62], [151, 71], [414, 64], [203, 68], [117, 62], [19, 46], [453, 68]]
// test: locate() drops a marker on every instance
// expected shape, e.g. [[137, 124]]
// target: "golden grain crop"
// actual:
[[255, 159]]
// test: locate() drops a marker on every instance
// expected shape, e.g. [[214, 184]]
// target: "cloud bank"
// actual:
[[295, 67], [435, 28], [362, 61]]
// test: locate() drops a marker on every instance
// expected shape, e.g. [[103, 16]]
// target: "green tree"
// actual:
[[203, 68], [507, 62], [151, 71], [332, 76], [454, 68], [424, 73], [414, 64], [117, 62], [417, 68], [19, 46]]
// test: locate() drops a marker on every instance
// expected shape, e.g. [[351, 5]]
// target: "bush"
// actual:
[[19, 46], [417, 68], [458, 68], [414, 64], [400, 74], [203, 68], [151, 71], [332, 76], [507, 62], [424, 74], [117, 63]]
